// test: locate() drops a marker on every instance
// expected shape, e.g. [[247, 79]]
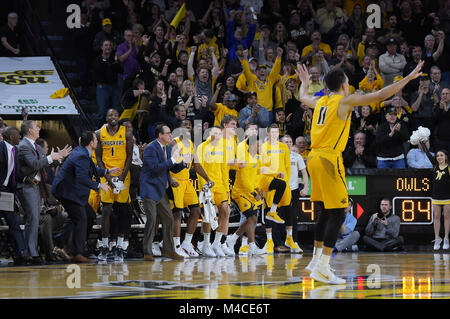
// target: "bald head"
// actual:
[[11, 135]]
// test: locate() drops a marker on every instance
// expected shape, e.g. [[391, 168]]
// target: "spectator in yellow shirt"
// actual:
[[310, 51], [228, 107], [261, 83]]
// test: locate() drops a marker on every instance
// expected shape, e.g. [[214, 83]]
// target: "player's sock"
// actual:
[[269, 236], [218, 238], [105, 242], [288, 232], [187, 238], [317, 252], [119, 241], [324, 260], [206, 237], [273, 209], [176, 241], [234, 237]]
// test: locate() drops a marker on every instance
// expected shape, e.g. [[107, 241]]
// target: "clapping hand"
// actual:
[[65, 151], [114, 171], [104, 187]]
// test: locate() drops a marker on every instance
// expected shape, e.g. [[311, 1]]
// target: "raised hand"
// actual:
[[302, 73], [416, 72], [279, 51]]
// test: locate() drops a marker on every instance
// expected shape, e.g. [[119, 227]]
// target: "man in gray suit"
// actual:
[[32, 161]]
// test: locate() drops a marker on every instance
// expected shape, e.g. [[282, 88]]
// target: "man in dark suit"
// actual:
[[32, 160], [72, 186], [154, 182], [8, 182]]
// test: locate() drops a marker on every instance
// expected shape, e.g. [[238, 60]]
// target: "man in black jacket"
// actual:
[[359, 155], [108, 93], [9, 177], [389, 141]]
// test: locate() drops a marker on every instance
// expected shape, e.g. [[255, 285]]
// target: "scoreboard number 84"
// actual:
[[413, 210]]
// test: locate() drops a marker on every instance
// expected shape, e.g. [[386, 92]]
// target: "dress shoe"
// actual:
[[173, 255], [79, 258], [149, 257], [60, 252], [20, 261], [50, 258], [282, 249], [35, 260]]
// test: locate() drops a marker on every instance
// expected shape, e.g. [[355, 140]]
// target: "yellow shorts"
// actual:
[[245, 202], [285, 200], [184, 195], [94, 200], [440, 201], [327, 175], [264, 183], [123, 197]]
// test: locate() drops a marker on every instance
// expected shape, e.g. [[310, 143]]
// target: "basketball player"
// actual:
[[274, 179], [210, 154], [185, 194], [115, 149], [246, 193], [329, 135]]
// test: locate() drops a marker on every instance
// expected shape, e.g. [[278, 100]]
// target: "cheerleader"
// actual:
[[441, 194]]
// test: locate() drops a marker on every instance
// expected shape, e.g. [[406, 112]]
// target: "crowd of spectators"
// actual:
[[170, 60], [239, 57]]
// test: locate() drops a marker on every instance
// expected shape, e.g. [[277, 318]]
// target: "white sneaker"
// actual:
[[217, 248], [227, 250], [156, 251], [324, 274], [180, 251], [437, 243], [254, 250], [189, 249], [230, 243], [446, 244], [312, 265], [206, 250]]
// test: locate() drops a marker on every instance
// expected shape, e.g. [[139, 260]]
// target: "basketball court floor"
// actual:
[[403, 275]]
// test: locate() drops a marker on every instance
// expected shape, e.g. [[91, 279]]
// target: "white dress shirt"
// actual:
[[9, 149]]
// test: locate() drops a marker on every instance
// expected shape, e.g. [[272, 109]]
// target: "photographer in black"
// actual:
[[382, 231]]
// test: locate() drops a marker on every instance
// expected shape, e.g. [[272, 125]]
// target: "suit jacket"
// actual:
[[29, 164], [74, 179], [155, 171], [11, 187]]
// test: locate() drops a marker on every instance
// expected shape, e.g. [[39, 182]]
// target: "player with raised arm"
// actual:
[[329, 135]]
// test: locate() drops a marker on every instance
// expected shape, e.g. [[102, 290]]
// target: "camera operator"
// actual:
[[382, 231]]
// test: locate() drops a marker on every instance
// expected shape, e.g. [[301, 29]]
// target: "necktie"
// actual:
[[165, 156]]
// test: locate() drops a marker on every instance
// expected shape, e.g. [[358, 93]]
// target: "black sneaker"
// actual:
[[103, 255], [112, 253], [119, 254]]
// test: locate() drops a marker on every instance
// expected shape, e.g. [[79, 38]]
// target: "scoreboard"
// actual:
[[408, 189]]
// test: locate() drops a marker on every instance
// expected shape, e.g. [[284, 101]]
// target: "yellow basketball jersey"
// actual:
[[327, 129], [247, 177], [211, 159], [187, 152], [277, 159], [114, 148]]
